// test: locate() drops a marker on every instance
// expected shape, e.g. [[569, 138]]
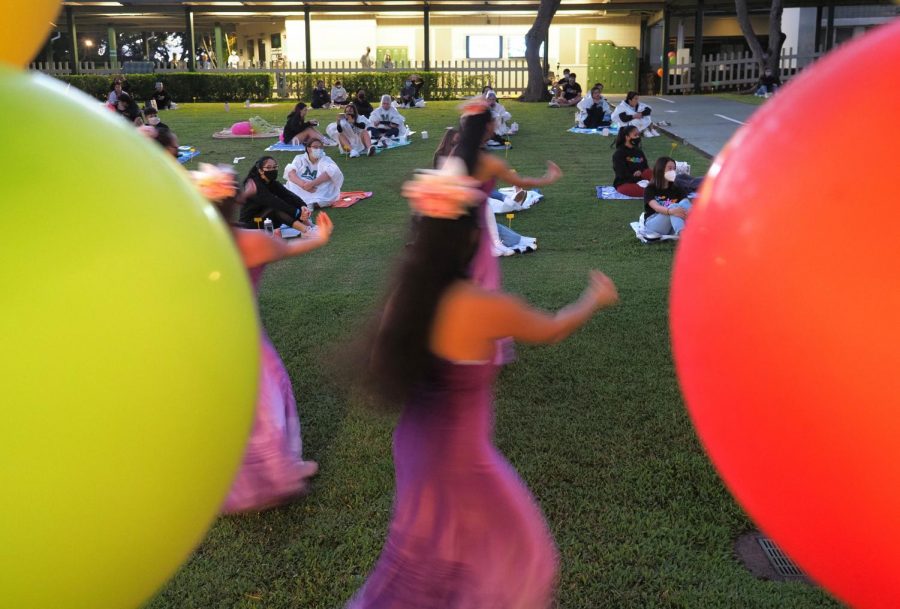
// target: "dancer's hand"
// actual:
[[553, 173], [602, 290], [325, 226]]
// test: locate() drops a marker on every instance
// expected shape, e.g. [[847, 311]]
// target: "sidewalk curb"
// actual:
[[685, 143]]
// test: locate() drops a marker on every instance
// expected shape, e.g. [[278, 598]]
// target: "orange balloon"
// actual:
[[24, 29], [784, 305], [659, 72]]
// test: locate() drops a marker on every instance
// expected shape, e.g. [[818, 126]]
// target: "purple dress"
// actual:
[[465, 533], [273, 470]]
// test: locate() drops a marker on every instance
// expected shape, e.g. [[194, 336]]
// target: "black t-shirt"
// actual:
[[162, 99], [363, 108], [625, 162], [669, 196], [571, 91]]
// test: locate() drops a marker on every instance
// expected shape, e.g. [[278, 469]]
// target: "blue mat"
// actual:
[[610, 192], [393, 144], [186, 153], [613, 130], [282, 147]]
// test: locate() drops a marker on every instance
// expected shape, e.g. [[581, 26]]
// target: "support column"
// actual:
[[73, 34], [221, 60], [191, 39], [665, 50], [307, 27], [426, 23], [829, 29], [818, 44], [698, 48], [112, 47], [146, 37]]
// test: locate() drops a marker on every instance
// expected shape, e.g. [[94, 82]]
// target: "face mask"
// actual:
[[636, 141], [271, 175], [316, 153], [670, 175], [362, 98], [153, 120]]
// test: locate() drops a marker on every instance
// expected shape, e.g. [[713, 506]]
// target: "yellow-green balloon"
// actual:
[[129, 355]]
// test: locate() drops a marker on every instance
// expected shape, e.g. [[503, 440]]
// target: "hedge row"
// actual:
[[183, 86], [258, 86]]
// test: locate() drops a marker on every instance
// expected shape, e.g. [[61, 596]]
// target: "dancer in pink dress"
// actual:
[[273, 470], [465, 532]]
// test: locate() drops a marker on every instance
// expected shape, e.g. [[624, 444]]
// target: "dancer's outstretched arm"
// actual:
[[258, 247], [496, 167], [469, 319]]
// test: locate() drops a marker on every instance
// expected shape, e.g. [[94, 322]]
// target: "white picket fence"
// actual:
[[732, 71], [463, 77]]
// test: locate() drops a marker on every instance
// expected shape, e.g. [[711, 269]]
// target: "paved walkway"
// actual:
[[705, 122]]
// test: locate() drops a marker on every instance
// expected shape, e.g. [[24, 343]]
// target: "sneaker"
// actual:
[[371, 151], [354, 154], [498, 249], [329, 142], [553, 104]]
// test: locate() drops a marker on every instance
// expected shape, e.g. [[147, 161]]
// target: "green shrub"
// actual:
[[437, 85], [182, 86]]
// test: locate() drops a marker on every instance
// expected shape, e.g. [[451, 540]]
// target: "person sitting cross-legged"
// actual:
[[630, 162], [385, 121], [314, 177], [631, 111], [593, 110], [320, 96], [570, 94], [666, 206], [338, 94], [272, 200]]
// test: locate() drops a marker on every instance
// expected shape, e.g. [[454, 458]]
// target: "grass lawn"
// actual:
[[753, 100], [595, 425]]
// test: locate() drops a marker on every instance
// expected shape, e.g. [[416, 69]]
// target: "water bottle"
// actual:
[[268, 226], [227, 107]]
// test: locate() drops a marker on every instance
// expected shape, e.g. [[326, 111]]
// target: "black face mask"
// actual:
[[362, 98], [271, 175], [636, 141]]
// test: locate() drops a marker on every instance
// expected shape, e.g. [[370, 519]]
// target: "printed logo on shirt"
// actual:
[[634, 159], [309, 174], [666, 201]]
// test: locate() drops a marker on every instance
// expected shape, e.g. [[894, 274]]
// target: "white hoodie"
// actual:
[[624, 107]]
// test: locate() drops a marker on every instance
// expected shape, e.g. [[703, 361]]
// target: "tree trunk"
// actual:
[[536, 35], [766, 58]]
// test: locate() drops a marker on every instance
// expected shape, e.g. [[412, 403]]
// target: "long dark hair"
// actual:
[[659, 172], [472, 129], [398, 356], [623, 133], [445, 147], [295, 113], [257, 166]]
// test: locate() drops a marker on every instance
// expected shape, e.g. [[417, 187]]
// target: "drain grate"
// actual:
[[783, 565]]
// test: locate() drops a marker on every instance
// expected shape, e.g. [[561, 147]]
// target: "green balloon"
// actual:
[[130, 355]]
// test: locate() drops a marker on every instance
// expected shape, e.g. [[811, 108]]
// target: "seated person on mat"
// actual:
[[351, 133], [385, 121], [570, 93], [338, 94], [320, 97], [593, 110], [632, 112], [630, 162], [126, 106], [407, 97], [314, 177], [500, 116], [161, 97], [272, 200], [297, 130], [363, 107], [666, 206]]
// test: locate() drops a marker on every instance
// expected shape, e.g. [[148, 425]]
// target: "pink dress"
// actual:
[[465, 533], [272, 471]]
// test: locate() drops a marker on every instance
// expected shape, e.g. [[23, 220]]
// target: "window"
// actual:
[[516, 48], [276, 41], [484, 47]]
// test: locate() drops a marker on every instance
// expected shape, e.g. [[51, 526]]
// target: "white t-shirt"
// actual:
[[325, 193]]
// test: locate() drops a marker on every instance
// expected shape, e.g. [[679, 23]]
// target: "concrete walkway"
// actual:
[[705, 122]]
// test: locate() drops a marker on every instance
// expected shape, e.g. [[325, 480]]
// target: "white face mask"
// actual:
[[316, 153], [670, 175]]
